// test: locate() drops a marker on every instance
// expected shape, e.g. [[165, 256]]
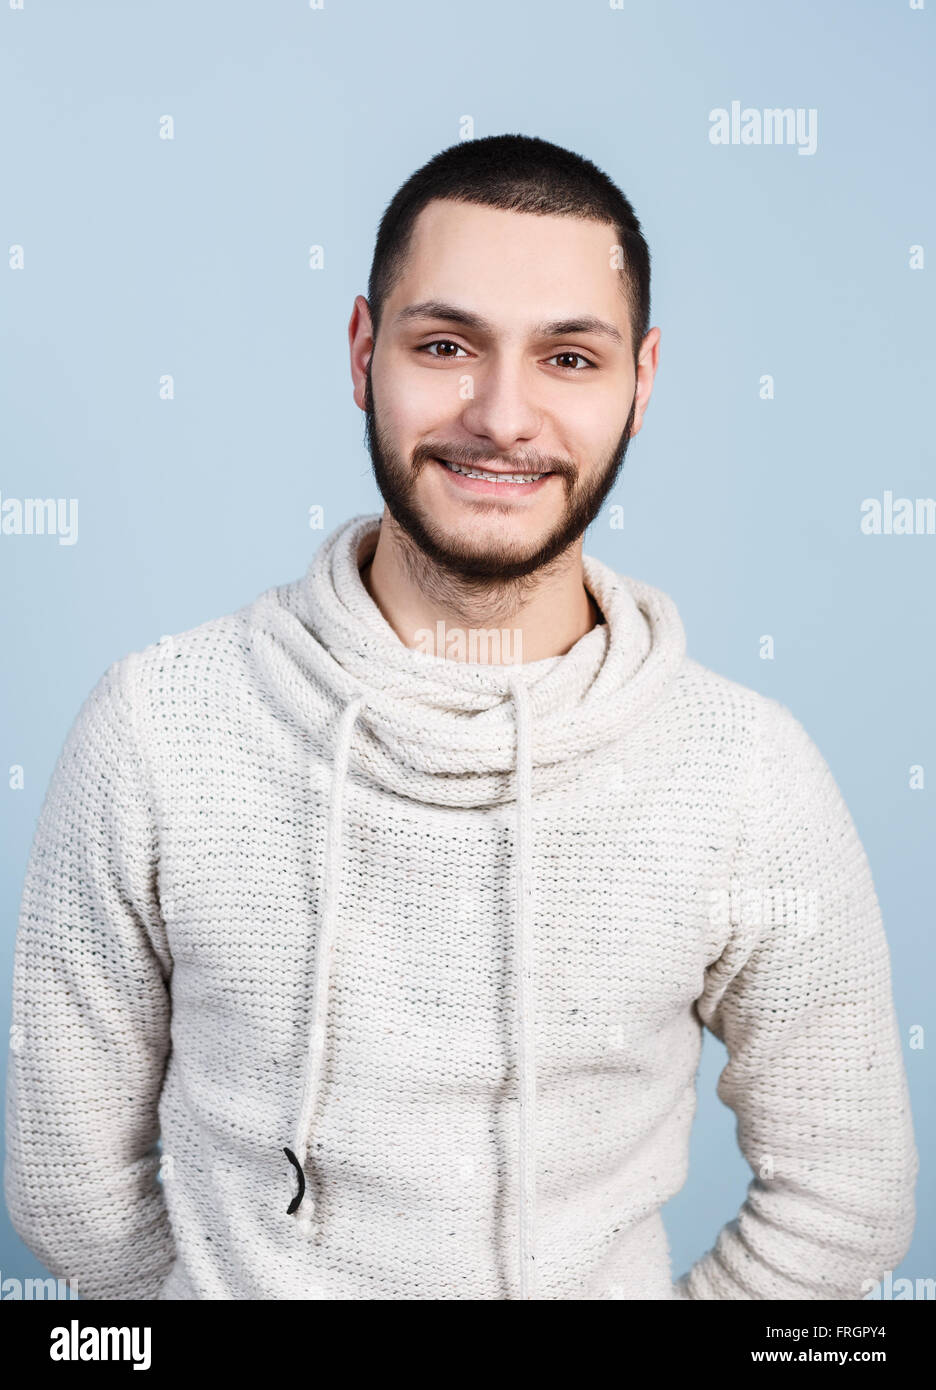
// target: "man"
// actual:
[[404, 942]]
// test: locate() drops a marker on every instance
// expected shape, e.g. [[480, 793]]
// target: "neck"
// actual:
[[545, 613]]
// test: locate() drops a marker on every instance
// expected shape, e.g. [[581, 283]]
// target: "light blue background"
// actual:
[[294, 127]]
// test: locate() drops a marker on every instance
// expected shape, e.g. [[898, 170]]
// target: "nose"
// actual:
[[501, 409]]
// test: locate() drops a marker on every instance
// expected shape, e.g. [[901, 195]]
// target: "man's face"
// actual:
[[485, 360]]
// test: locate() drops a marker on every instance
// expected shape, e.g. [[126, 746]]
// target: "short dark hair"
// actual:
[[519, 173]]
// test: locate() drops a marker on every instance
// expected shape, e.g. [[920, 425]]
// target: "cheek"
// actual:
[[588, 435], [414, 403], [434, 400]]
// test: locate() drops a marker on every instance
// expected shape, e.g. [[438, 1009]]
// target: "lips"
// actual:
[[502, 477], [494, 485]]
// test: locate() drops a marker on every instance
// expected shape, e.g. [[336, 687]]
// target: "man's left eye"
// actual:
[[579, 355]]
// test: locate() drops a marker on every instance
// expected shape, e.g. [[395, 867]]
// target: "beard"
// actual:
[[471, 566]]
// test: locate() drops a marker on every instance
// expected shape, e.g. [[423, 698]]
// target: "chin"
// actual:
[[490, 533], [485, 556]]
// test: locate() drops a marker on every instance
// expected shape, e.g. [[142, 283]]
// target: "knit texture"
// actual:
[[449, 934]]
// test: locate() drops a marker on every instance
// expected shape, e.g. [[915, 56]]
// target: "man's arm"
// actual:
[[91, 1014], [802, 1000]]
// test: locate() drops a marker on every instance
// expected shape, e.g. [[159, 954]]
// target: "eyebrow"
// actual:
[[558, 328]]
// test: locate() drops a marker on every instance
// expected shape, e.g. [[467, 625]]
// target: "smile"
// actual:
[[490, 475]]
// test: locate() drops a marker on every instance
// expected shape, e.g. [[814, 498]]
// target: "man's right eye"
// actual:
[[440, 342]]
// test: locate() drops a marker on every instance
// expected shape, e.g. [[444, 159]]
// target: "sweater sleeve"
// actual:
[[801, 998], [90, 1034]]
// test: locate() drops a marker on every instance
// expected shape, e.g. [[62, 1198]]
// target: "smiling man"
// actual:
[[407, 957], [495, 447]]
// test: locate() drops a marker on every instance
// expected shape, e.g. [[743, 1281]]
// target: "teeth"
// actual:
[[493, 477]]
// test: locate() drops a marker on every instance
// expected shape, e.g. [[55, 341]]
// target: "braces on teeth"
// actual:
[[494, 477]]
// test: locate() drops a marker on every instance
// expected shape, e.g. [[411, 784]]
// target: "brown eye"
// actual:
[[580, 356], [441, 343]]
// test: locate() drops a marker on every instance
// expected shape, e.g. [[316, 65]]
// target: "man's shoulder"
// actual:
[[725, 699], [778, 743], [197, 651], [208, 659], [723, 719]]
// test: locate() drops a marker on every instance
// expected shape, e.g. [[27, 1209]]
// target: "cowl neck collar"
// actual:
[[443, 731]]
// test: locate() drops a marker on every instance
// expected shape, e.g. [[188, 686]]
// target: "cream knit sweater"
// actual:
[[408, 960]]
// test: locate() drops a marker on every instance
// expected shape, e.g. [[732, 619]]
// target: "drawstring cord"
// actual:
[[301, 1175], [316, 1049], [525, 978], [523, 881]]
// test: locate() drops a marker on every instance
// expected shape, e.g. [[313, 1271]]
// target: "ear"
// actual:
[[361, 345], [647, 361]]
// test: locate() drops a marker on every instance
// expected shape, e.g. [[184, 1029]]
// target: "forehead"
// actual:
[[514, 266]]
